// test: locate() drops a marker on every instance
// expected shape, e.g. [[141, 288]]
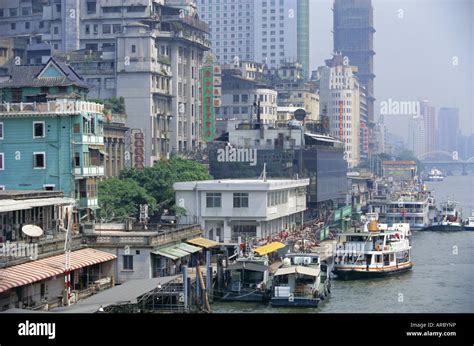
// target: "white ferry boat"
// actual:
[[414, 208], [448, 219], [375, 251], [435, 175]]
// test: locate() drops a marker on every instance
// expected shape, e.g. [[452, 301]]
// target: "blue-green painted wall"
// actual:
[[18, 146]]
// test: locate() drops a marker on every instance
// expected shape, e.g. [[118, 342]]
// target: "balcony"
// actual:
[[58, 107], [92, 139], [85, 202], [92, 171]]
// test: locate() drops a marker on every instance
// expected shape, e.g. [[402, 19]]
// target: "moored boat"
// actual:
[[374, 251], [448, 219], [301, 281], [469, 223], [248, 280]]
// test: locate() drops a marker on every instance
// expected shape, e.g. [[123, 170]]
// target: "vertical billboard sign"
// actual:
[[211, 99]]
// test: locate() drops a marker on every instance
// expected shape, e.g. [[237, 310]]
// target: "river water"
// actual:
[[442, 279]]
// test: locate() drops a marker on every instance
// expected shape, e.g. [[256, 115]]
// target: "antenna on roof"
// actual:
[[263, 176]]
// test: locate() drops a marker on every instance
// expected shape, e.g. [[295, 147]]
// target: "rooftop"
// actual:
[[39, 76], [242, 184]]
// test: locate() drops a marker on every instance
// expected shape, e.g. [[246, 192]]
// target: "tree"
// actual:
[[158, 180], [120, 198]]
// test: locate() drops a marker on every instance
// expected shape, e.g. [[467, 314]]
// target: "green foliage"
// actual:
[[113, 104], [158, 180], [120, 198]]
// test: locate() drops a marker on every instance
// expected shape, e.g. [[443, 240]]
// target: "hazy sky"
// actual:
[[415, 55]]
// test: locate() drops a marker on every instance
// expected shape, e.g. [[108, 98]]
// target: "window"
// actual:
[[91, 7], [39, 160], [27, 25], [77, 160], [106, 29], [2, 187], [1, 130], [127, 262], [56, 30], [38, 129], [13, 26], [134, 48], [117, 28], [213, 200], [2, 163], [49, 187], [241, 200]]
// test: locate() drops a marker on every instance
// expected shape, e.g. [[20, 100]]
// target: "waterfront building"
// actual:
[[270, 32], [45, 209], [50, 137], [143, 253], [399, 170], [354, 38], [236, 208], [40, 284], [284, 152], [340, 96]]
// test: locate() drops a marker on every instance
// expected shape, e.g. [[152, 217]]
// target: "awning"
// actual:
[[248, 266], [7, 205], [177, 251], [103, 152], [188, 248], [263, 250], [298, 270], [34, 271], [203, 242]]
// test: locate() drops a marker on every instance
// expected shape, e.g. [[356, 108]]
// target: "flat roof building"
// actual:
[[242, 208]]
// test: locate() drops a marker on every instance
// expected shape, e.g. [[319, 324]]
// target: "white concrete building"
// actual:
[[340, 96], [228, 209]]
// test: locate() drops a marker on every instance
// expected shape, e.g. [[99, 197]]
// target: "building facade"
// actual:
[[448, 128], [150, 52], [271, 32], [354, 39], [115, 140], [231, 209], [340, 96], [50, 138], [241, 94]]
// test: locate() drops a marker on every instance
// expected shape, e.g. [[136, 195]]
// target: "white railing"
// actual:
[[54, 107], [89, 171]]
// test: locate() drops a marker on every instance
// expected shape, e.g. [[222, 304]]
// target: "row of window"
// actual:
[[39, 160], [38, 129], [214, 200]]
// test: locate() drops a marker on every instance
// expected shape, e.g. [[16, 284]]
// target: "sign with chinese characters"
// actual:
[[138, 149], [211, 98]]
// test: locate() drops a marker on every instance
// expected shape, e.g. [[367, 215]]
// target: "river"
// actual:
[[442, 279]]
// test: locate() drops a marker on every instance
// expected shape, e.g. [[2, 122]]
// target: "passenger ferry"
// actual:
[[301, 281], [415, 208], [375, 251], [469, 223], [435, 175], [448, 219]]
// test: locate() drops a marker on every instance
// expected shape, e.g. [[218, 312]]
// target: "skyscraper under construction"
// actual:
[[354, 38]]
